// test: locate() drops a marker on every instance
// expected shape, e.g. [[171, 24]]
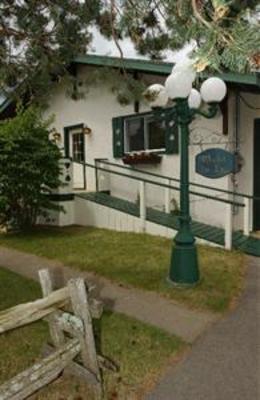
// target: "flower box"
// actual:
[[142, 158]]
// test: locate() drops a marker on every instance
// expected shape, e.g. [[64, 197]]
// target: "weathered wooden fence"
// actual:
[[71, 335]]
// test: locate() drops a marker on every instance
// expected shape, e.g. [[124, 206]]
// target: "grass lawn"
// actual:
[[138, 260], [141, 351]]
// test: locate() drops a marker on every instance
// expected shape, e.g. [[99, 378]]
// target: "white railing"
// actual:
[[228, 226], [172, 184], [142, 204], [167, 197], [247, 215]]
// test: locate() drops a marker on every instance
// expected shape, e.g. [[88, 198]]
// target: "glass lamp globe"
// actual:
[[194, 99], [186, 66], [156, 95], [178, 85], [213, 90]]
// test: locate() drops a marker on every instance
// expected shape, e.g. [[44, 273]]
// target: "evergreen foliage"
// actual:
[[226, 32], [123, 85], [39, 38], [29, 169]]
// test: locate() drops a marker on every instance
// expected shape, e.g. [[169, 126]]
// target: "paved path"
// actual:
[[145, 306], [224, 364]]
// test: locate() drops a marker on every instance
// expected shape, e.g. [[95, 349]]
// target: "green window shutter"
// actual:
[[66, 143], [171, 136], [118, 136]]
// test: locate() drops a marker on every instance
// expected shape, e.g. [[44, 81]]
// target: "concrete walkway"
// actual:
[[144, 306], [224, 364]]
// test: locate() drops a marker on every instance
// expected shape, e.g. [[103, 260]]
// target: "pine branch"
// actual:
[[198, 15]]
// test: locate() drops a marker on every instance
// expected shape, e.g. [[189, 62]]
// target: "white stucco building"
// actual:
[[98, 127]]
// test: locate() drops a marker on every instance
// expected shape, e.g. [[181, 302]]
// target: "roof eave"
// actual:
[[128, 63], [152, 67], [159, 67]]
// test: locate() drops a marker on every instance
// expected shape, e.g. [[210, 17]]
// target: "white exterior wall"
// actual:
[[60, 218], [92, 214], [201, 208], [245, 178], [97, 111]]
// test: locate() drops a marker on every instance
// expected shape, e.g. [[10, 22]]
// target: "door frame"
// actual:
[[67, 148]]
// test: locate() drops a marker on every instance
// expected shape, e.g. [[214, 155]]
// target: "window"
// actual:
[[74, 142], [144, 133], [78, 147], [156, 134]]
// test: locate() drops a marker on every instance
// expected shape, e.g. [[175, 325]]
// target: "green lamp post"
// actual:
[[184, 268]]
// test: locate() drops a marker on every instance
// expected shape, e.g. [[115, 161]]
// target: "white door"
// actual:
[[77, 154]]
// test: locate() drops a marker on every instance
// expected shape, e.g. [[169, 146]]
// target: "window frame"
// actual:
[[67, 145], [146, 118], [77, 145]]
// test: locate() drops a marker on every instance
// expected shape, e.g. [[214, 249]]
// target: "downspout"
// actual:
[[237, 121], [136, 103], [236, 137]]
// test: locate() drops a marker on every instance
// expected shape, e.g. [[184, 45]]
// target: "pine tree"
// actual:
[[39, 38], [227, 32]]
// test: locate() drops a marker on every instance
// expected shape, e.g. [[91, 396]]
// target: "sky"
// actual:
[[103, 46]]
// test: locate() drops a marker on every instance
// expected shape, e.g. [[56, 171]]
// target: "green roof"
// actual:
[[152, 67], [159, 67]]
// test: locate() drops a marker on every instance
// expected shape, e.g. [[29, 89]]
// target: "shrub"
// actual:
[[29, 168]]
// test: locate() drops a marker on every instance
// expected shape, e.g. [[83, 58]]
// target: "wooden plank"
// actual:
[[75, 368], [69, 323], [79, 300], [24, 314], [96, 308], [40, 374], [80, 305], [56, 332], [104, 363]]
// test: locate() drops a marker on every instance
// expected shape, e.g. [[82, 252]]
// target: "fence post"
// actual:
[[142, 205], [168, 198], [56, 333], [247, 212], [80, 306], [228, 227]]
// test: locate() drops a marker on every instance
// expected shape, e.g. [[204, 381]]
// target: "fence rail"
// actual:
[[79, 342]]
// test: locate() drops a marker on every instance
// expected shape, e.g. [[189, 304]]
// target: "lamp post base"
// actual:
[[184, 268]]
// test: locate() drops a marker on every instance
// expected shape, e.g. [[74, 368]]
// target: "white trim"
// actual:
[[228, 227], [145, 151]]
